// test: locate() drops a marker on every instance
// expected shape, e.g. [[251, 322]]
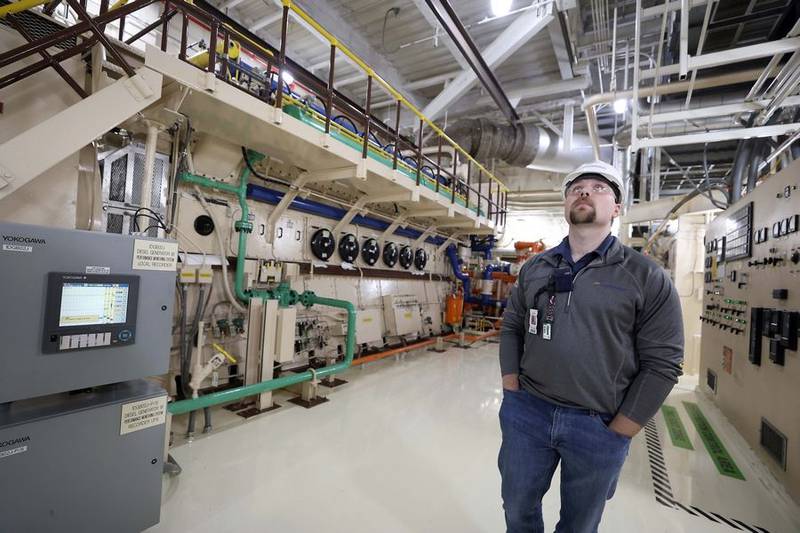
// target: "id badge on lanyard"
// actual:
[[533, 321], [549, 317]]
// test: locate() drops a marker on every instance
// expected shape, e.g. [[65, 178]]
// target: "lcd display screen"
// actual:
[[92, 304]]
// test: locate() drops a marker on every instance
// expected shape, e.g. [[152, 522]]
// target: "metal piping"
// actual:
[[522, 145]]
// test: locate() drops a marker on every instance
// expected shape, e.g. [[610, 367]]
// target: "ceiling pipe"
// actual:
[[523, 145]]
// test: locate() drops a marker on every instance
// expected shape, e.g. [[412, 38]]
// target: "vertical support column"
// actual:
[[329, 100], [121, 34], [469, 176], [419, 151], [438, 162], [396, 135], [455, 176], [225, 50], [184, 35], [480, 184], [164, 27], [367, 118], [497, 205], [282, 57], [489, 202], [212, 47]]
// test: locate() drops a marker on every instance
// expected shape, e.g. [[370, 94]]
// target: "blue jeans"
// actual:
[[536, 436]]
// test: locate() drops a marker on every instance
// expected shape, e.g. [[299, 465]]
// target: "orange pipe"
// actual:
[[393, 351], [416, 346], [481, 337]]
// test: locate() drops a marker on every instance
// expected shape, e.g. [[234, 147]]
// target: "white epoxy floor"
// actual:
[[410, 445]]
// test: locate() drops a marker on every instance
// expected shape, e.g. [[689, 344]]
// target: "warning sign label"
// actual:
[[151, 255], [142, 415]]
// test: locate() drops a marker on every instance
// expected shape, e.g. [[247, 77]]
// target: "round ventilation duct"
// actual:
[[522, 145]]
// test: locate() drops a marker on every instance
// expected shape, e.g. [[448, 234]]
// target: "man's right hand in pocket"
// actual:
[[511, 382]]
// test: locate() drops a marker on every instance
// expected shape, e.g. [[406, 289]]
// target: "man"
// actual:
[[591, 344]]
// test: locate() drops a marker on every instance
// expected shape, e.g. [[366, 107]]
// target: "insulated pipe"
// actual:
[[149, 167], [521, 145]]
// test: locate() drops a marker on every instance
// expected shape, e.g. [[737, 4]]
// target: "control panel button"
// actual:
[[64, 344], [107, 338], [124, 335]]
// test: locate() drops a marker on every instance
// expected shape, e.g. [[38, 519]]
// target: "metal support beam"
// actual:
[[540, 91], [356, 209], [434, 22], [727, 57], [295, 189], [723, 135], [263, 22], [569, 126], [560, 48], [448, 241], [683, 59], [428, 231], [525, 26], [398, 222], [436, 212], [716, 111]]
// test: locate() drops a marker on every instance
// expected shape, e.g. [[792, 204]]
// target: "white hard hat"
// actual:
[[600, 168]]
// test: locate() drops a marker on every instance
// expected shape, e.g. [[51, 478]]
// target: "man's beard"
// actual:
[[582, 217]]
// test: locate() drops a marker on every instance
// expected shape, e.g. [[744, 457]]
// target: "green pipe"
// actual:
[[230, 395], [282, 293]]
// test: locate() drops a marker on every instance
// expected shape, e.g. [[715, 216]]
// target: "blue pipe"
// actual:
[[455, 262], [270, 196]]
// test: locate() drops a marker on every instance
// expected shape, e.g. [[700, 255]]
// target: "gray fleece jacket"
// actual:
[[616, 340]]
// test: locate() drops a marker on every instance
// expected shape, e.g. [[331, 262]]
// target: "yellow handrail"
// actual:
[[21, 5], [370, 72]]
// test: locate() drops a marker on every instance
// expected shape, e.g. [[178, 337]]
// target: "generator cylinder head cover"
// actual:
[[348, 248], [204, 225], [371, 251], [406, 256], [390, 254], [323, 244], [420, 259]]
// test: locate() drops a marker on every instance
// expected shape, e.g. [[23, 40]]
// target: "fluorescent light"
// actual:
[[287, 77], [620, 106], [500, 7]]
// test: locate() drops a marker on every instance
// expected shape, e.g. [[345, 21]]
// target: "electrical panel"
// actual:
[[402, 315], [751, 315], [83, 309], [369, 326]]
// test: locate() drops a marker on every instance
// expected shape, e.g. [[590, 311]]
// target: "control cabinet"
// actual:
[[82, 309], [751, 312]]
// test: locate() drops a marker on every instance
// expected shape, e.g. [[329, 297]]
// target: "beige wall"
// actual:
[[771, 391]]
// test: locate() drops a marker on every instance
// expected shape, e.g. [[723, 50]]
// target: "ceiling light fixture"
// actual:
[[620, 106], [287, 77], [500, 7]]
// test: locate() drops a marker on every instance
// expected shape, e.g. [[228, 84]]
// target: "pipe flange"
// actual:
[[245, 226], [307, 298]]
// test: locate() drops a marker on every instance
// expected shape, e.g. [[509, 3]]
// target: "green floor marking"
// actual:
[[677, 432], [725, 463]]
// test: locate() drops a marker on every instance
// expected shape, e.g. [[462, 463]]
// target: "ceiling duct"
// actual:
[[522, 145]]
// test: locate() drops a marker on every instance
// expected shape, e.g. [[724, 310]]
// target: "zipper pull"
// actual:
[[569, 298]]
